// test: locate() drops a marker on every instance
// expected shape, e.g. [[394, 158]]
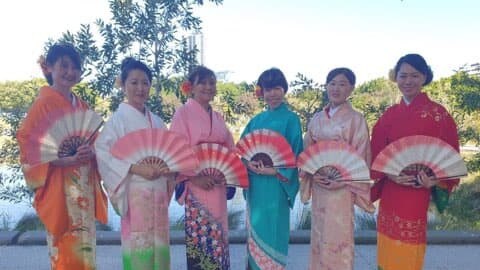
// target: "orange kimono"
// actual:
[[402, 216], [67, 199]]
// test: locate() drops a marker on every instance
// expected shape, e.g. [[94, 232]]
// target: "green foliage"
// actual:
[[307, 98], [374, 97], [152, 31], [463, 210], [29, 222]]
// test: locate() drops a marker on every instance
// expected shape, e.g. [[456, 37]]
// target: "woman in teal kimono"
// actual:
[[272, 191]]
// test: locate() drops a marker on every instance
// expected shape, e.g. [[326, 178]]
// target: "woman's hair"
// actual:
[[417, 62], [129, 64], [342, 70], [58, 51], [200, 73], [271, 78]]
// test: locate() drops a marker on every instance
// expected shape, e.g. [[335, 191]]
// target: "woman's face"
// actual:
[[273, 96], [204, 90], [410, 81], [137, 88], [338, 90], [64, 73]]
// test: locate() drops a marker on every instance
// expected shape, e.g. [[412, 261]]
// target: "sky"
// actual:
[[245, 37]]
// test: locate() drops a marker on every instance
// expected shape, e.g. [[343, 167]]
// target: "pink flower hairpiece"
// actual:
[[42, 61], [186, 87], [258, 91]]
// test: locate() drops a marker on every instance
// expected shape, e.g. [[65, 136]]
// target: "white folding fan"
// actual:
[[337, 160], [221, 163], [416, 153], [60, 134], [268, 146], [156, 146]]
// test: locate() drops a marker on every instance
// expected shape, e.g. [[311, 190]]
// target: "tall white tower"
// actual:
[[195, 40]]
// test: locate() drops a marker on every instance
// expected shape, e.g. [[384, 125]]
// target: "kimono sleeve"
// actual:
[[294, 137], [113, 171]]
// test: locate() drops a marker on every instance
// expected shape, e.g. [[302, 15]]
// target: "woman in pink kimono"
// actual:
[[332, 245], [205, 200], [139, 193]]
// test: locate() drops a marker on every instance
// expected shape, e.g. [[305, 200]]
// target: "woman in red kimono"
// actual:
[[402, 217]]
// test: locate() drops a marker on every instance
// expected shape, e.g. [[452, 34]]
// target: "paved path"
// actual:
[[439, 257]]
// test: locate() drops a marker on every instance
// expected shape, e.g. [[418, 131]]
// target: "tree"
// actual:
[[307, 98], [150, 30], [15, 98]]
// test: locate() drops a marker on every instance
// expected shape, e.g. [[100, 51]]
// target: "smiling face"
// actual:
[[137, 88], [410, 81], [204, 90], [65, 74], [338, 90], [273, 96]]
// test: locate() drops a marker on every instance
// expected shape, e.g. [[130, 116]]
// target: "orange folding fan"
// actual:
[[60, 134], [267, 146], [156, 146], [415, 153], [221, 163], [337, 160]]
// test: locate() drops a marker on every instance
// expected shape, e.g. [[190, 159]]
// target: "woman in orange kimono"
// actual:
[[68, 196], [402, 217], [332, 245], [206, 224]]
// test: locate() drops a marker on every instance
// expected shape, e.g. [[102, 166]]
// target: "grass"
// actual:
[[29, 222]]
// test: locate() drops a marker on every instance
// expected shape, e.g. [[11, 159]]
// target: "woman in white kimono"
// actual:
[[139, 193], [332, 245]]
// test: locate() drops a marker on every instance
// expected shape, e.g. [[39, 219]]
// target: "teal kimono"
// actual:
[[268, 199]]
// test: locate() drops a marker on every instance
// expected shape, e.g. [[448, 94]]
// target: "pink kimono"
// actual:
[[332, 243], [206, 224]]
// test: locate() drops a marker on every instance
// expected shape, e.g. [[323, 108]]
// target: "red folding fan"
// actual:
[[412, 154], [267, 146], [156, 146], [338, 161], [60, 134], [221, 163]]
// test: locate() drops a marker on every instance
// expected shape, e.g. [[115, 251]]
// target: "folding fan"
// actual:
[[221, 163], [60, 134], [156, 146], [337, 160], [415, 153], [267, 146]]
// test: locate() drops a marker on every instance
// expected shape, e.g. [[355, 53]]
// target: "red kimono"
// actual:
[[402, 217]]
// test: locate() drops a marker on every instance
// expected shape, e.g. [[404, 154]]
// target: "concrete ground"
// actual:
[[438, 257]]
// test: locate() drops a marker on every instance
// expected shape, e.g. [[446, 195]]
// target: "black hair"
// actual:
[[59, 50], [417, 62], [272, 78], [129, 64], [200, 73], [342, 70]]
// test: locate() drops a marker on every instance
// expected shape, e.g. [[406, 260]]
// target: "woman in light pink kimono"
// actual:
[[205, 200], [139, 193], [332, 242]]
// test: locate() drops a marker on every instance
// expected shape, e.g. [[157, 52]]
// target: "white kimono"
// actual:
[[142, 204]]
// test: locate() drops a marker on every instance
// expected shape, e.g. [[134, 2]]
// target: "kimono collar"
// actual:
[[346, 106], [280, 107], [132, 110], [47, 91], [420, 99]]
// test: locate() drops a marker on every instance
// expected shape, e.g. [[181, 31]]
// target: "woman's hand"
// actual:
[[204, 182], [83, 155], [426, 181], [324, 182], [404, 180], [146, 171], [258, 168]]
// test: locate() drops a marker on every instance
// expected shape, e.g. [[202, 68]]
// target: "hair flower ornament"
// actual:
[[258, 91], [42, 61], [186, 88]]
